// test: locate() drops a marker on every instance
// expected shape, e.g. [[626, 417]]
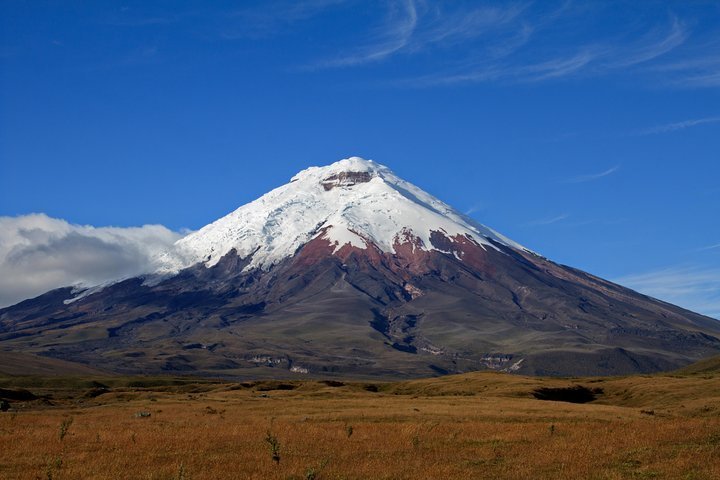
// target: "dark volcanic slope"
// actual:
[[367, 313]]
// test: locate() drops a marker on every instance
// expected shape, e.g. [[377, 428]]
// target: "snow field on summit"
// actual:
[[353, 201]]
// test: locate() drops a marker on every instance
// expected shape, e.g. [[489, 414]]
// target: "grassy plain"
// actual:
[[479, 425]]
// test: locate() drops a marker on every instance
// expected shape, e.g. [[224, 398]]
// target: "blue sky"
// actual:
[[588, 131]]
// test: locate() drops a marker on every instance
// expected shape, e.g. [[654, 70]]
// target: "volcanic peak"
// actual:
[[353, 202]]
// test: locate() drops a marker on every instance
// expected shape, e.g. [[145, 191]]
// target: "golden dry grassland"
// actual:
[[472, 426]]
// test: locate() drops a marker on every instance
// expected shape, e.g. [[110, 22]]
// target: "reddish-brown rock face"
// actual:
[[410, 256], [314, 251]]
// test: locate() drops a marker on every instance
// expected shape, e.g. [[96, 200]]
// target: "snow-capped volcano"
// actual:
[[353, 202], [349, 270]]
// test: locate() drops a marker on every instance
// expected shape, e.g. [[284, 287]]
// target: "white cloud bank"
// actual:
[[39, 253]]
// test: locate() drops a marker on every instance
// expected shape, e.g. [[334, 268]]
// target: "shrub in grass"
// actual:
[[64, 427], [274, 444]]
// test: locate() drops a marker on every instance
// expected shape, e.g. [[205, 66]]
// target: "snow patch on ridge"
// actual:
[[80, 290], [343, 236], [353, 201]]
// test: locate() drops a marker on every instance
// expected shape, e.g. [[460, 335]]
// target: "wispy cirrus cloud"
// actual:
[[693, 287], [652, 46], [142, 21], [480, 42], [459, 26], [392, 36], [700, 68], [270, 19], [593, 58], [531, 60], [547, 220], [554, 68], [412, 27], [526, 42], [592, 176], [489, 72], [676, 126], [475, 208]]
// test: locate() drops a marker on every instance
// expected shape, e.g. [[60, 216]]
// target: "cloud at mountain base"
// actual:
[[39, 253]]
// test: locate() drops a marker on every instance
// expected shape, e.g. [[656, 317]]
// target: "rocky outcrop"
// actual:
[[346, 179]]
